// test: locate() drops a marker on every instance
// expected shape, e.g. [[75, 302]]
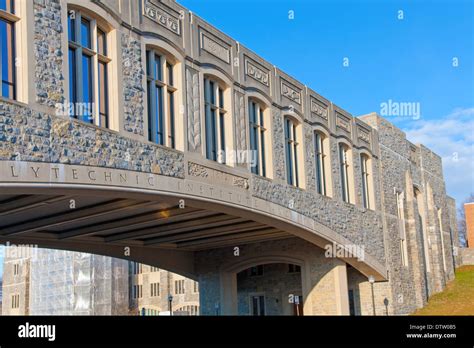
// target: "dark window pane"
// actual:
[[87, 98], [72, 76], [101, 42], [169, 68], [7, 59], [157, 68], [103, 95], [221, 98], [213, 93], [71, 27], [7, 5], [222, 136], [172, 131], [85, 33], [158, 119]]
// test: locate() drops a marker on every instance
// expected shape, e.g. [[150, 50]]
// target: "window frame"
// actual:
[[162, 130], [320, 157], [292, 149], [345, 169], [11, 20], [215, 119], [99, 70], [365, 163], [258, 136]]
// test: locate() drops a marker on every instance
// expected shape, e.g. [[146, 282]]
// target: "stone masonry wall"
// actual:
[[28, 135], [48, 52], [133, 93]]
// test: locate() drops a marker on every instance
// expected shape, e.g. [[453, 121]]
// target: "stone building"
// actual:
[[139, 130], [16, 282], [151, 287], [58, 282]]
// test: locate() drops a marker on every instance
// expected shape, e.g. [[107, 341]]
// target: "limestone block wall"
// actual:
[[276, 284], [319, 283]]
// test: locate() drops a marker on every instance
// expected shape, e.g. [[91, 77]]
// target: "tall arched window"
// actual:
[[257, 137], [345, 163], [161, 93], [88, 69], [291, 150], [366, 172], [7, 46], [215, 119], [320, 151]]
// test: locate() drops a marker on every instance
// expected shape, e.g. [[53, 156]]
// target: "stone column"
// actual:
[[325, 289]]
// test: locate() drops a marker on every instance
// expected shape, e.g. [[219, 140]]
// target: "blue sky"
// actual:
[[403, 60]]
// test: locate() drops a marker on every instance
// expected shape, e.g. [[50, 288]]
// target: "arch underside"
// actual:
[[149, 228]]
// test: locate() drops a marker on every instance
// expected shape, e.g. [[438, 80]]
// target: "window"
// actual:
[[179, 287], [320, 153], [7, 45], [344, 169], [88, 70], [137, 268], [257, 137], [155, 289], [15, 301], [401, 224], [16, 269], [256, 271], [215, 120], [294, 268], [365, 170], [161, 92], [154, 269], [291, 150], [258, 305], [137, 291], [196, 286]]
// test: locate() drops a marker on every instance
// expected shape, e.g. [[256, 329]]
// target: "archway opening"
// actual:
[[270, 289]]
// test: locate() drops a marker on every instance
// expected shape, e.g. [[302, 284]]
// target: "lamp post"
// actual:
[[372, 281], [170, 303]]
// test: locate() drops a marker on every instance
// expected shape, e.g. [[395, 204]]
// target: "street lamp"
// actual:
[[170, 303], [372, 281]]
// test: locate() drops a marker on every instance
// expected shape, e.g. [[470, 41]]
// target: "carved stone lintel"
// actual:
[[217, 176], [257, 73], [319, 109], [162, 17], [364, 135], [213, 47], [343, 123], [290, 92]]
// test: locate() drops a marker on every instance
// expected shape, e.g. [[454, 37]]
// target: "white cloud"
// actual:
[[451, 137]]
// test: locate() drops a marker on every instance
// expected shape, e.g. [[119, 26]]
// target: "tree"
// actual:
[[462, 220]]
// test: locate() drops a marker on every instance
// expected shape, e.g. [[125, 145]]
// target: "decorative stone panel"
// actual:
[[193, 110], [240, 124], [162, 17]]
